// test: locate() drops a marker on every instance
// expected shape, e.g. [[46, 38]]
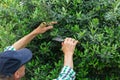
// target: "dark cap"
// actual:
[[11, 61]]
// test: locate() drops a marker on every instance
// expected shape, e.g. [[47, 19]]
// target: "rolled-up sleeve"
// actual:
[[9, 48], [66, 73]]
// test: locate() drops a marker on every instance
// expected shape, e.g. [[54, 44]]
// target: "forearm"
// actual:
[[68, 61], [39, 30], [24, 41], [67, 72]]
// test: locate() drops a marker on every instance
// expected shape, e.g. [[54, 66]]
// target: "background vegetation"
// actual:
[[95, 23]]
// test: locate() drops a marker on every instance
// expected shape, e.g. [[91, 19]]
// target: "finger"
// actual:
[[66, 40], [70, 39], [49, 27], [73, 40], [76, 41], [52, 23]]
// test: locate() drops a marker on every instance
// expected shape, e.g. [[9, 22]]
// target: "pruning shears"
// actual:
[[58, 39]]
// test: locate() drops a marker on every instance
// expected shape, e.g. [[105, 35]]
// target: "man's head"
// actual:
[[12, 63]]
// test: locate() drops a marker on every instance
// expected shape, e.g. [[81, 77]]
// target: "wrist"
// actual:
[[68, 54], [34, 33], [68, 58]]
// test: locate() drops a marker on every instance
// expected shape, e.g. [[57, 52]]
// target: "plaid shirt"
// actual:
[[66, 73]]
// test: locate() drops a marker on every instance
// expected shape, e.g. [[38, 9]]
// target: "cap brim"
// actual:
[[24, 55]]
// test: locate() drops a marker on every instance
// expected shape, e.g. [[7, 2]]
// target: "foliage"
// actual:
[[95, 23]]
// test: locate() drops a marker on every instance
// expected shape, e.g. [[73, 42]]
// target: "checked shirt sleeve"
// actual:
[[9, 48], [66, 74]]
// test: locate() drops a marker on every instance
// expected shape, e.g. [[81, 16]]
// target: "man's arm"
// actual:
[[68, 47], [26, 39]]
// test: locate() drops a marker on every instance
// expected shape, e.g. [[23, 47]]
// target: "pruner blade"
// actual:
[[58, 39]]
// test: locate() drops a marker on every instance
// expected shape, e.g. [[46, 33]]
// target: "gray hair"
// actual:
[[3, 77]]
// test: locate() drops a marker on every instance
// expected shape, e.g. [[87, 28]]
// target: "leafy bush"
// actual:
[[95, 23]]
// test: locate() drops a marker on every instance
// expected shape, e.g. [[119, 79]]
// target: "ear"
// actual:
[[16, 75], [62, 43]]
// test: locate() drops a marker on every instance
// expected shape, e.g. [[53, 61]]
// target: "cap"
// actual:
[[11, 61]]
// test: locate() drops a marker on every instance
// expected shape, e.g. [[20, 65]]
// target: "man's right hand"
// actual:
[[68, 46]]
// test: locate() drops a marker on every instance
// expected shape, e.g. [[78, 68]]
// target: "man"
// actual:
[[14, 57]]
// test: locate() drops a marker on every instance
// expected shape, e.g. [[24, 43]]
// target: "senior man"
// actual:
[[14, 57]]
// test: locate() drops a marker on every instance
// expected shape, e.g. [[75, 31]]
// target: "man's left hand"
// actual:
[[43, 27]]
